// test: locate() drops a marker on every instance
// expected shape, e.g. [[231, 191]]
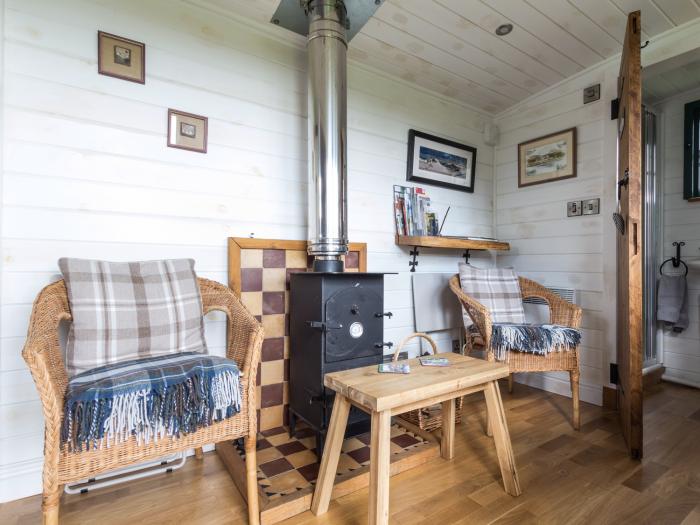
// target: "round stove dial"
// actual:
[[356, 330]]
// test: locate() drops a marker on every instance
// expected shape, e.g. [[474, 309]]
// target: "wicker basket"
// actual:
[[427, 418]]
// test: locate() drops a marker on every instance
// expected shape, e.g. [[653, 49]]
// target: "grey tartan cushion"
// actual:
[[131, 310], [498, 289]]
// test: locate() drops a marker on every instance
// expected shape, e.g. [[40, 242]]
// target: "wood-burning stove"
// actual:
[[336, 322]]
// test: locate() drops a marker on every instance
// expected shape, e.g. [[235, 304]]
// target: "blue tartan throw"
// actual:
[[149, 398], [532, 339]]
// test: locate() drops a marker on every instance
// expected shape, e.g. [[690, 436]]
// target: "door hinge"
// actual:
[[614, 108], [614, 374]]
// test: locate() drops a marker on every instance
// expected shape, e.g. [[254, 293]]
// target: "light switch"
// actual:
[[573, 208], [591, 207]]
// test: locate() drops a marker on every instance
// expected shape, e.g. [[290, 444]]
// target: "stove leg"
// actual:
[[319, 445], [292, 423]]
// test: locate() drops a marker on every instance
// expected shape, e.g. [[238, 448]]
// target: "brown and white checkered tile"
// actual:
[[265, 292], [287, 465]]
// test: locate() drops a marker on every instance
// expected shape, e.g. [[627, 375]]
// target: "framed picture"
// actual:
[[548, 158], [121, 58], [440, 162], [187, 131]]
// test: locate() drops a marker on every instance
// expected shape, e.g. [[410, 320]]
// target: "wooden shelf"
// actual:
[[434, 241]]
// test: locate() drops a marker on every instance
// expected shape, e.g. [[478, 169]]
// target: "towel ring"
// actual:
[[677, 261], [661, 269]]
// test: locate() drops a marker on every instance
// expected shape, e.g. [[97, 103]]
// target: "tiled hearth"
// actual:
[[288, 465]]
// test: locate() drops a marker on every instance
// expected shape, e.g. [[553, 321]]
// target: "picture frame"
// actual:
[[121, 57], [548, 158], [440, 162], [187, 131]]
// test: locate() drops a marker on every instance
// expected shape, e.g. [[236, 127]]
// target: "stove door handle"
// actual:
[[385, 314], [382, 345], [320, 325]]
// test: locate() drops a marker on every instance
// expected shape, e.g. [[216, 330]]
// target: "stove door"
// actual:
[[353, 328]]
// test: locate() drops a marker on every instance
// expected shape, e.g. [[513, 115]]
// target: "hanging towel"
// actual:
[[672, 304]]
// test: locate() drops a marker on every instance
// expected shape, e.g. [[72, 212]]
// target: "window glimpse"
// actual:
[[691, 158]]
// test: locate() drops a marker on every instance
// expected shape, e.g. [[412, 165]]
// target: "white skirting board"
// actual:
[[674, 378], [589, 393], [21, 480]]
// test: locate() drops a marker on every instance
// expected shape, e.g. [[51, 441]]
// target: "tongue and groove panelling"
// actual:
[[86, 172]]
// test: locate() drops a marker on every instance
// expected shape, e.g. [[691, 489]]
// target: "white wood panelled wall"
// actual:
[[681, 352], [87, 173], [575, 252], [546, 245]]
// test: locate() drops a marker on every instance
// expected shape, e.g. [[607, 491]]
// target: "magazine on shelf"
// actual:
[[413, 214]]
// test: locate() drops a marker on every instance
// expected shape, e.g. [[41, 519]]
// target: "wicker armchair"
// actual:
[[43, 354], [561, 312]]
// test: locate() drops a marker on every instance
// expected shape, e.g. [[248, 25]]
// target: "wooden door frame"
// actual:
[[630, 250]]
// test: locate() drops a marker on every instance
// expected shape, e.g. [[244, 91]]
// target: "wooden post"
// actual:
[[331, 455], [379, 468], [506, 460], [447, 444]]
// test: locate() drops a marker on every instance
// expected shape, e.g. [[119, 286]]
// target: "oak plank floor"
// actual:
[[567, 477]]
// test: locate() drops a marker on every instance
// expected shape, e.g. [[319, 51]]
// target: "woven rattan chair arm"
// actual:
[[478, 313], [561, 312], [44, 357], [245, 336]]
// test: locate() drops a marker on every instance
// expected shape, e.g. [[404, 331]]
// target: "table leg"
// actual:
[[331, 454], [497, 418], [379, 468], [447, 444]]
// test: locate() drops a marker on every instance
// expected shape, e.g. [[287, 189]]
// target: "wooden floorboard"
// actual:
[[567, 477]]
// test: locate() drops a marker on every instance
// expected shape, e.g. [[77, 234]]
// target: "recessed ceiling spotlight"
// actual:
[[504, 29]]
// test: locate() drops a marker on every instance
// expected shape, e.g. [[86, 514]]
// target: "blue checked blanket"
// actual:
[[532, 339], [149, 398]]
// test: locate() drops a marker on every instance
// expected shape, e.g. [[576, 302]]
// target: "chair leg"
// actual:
[[199, 453], [251, 474], [510, 383], [574, 376], [50, 504]]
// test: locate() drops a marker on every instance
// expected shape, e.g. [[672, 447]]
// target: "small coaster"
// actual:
[[394, 368], [434, 361]]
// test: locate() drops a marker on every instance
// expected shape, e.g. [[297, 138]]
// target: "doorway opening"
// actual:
[[671, 222]]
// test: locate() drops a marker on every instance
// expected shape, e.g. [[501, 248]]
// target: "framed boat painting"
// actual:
[[440, 162], [548, 158]]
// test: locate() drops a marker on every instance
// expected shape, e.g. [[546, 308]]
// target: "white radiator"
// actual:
[[536, 309]]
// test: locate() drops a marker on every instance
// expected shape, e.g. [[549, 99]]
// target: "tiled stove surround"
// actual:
[[259, 272]]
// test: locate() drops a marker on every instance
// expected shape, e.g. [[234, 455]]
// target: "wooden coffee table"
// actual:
[[386, 395]]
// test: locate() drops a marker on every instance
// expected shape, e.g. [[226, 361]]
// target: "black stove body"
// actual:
[[336, 323]]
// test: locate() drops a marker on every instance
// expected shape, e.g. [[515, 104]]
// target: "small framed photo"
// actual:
[[440, 162], [548, 158], [187, 131], [121, 58]]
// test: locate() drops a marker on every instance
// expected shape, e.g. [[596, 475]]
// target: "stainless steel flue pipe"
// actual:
[[327, 133]]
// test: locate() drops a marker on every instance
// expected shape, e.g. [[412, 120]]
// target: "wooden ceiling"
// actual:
[[671, 77], [449, 46]]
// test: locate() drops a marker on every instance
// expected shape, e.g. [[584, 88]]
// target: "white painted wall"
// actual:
[[681, 352], [87, 172], [546, 245], [573, 252]]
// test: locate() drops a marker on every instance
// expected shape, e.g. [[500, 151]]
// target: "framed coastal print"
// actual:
[[548, 158], [120, 57], [187, 131], [440, 162]]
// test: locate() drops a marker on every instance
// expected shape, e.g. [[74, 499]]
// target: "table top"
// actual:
[[376, 391]]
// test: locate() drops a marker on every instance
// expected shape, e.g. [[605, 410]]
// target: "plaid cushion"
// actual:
[[497, 289], [131, 310]]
